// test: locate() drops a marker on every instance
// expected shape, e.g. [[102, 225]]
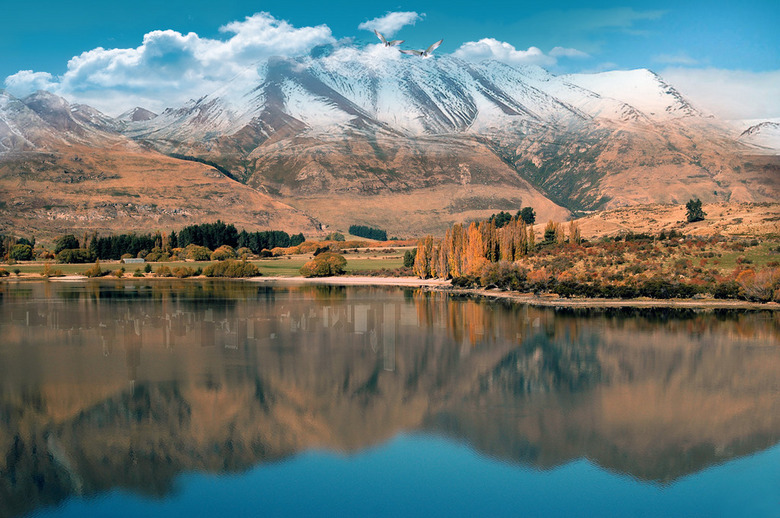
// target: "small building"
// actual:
[[133, 260]]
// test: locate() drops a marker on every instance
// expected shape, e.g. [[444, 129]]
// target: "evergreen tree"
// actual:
[[528, 215], [695, 212]]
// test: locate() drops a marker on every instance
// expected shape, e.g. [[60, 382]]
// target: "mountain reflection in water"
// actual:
[[126, 385]]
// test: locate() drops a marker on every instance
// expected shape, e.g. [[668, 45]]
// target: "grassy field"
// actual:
[[369, 260]]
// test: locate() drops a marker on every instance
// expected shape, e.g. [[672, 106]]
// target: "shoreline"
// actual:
[[442, 286], [552, 300]]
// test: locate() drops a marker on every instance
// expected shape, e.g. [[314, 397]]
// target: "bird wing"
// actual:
[[412, 52], [395, 42], [434, 46], [379, 35]]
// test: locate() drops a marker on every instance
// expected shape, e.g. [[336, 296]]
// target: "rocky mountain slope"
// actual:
[[67, 168]]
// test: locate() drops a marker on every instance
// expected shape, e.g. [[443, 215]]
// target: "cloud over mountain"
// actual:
[[491, 48], [392, 22], [170, 66]]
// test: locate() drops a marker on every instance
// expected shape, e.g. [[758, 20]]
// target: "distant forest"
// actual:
[[210, 235], [368, 232]]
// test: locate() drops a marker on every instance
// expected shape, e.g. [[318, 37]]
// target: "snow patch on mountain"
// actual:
[[642, 89], [764, 135]]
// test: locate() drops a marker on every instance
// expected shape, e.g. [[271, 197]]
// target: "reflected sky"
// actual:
[[164, 396]]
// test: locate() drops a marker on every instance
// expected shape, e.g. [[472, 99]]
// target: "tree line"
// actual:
[[467, 250], [368, 232]]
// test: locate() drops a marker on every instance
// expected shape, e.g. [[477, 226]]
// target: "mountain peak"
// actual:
[[137, 114]]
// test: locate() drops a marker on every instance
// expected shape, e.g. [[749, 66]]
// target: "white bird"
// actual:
[[391, 43], [427, 53]]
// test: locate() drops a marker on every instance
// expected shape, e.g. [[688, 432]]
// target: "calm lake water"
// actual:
[[199, 398]]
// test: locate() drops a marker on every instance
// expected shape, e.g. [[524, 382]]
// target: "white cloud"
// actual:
[[170, 67], [563, 52], [391, 23], [491, 48], [26, 82], [729, 94]]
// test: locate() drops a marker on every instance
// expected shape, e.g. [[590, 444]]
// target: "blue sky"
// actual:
[[735, 43]]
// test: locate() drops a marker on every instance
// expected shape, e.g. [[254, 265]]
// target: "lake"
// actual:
[[203, 398]]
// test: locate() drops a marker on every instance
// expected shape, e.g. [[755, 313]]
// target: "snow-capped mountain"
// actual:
[[381, 88], [46, 121], [429, 140], [765, 135], [137, 114]]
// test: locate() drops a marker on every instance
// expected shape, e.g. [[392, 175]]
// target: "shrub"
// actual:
[[334, 236], [148, 268], [232, 269], [465, 281], [75, 256], [197, 253], [119, 273], [138, 273], [48, 272], [163, 271], [758, 286], [182, 272], [21, 252], [95, 270], [726, 290], [223, 252], [4, 272], [325, 264], [243, 252], [504, 275]]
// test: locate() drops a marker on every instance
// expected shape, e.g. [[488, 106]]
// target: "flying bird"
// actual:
[[386, 43], [427, 53]]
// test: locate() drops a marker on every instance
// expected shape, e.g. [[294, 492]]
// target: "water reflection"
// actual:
[[106, 385]]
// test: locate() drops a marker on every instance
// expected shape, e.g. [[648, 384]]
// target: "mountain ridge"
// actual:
[[350, 126]]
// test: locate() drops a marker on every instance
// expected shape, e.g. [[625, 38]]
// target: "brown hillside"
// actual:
[[80, 189]]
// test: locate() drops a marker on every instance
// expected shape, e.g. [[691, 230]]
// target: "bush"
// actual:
[[138, 273], [504, 275], [334, 236], [325, 264], [148, 268], [726, 290], [232, 269], [465, 281], [157, 256], [223, 252], [163, 271], [4, 272], [119, 273], [21, 252], [198, 253], [75, 256], [48, 272], [96, 271], [182, 272]]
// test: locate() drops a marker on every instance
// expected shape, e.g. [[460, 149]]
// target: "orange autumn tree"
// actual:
[[467, 250]]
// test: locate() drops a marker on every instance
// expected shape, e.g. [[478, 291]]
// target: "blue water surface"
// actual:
[[423, 475]]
